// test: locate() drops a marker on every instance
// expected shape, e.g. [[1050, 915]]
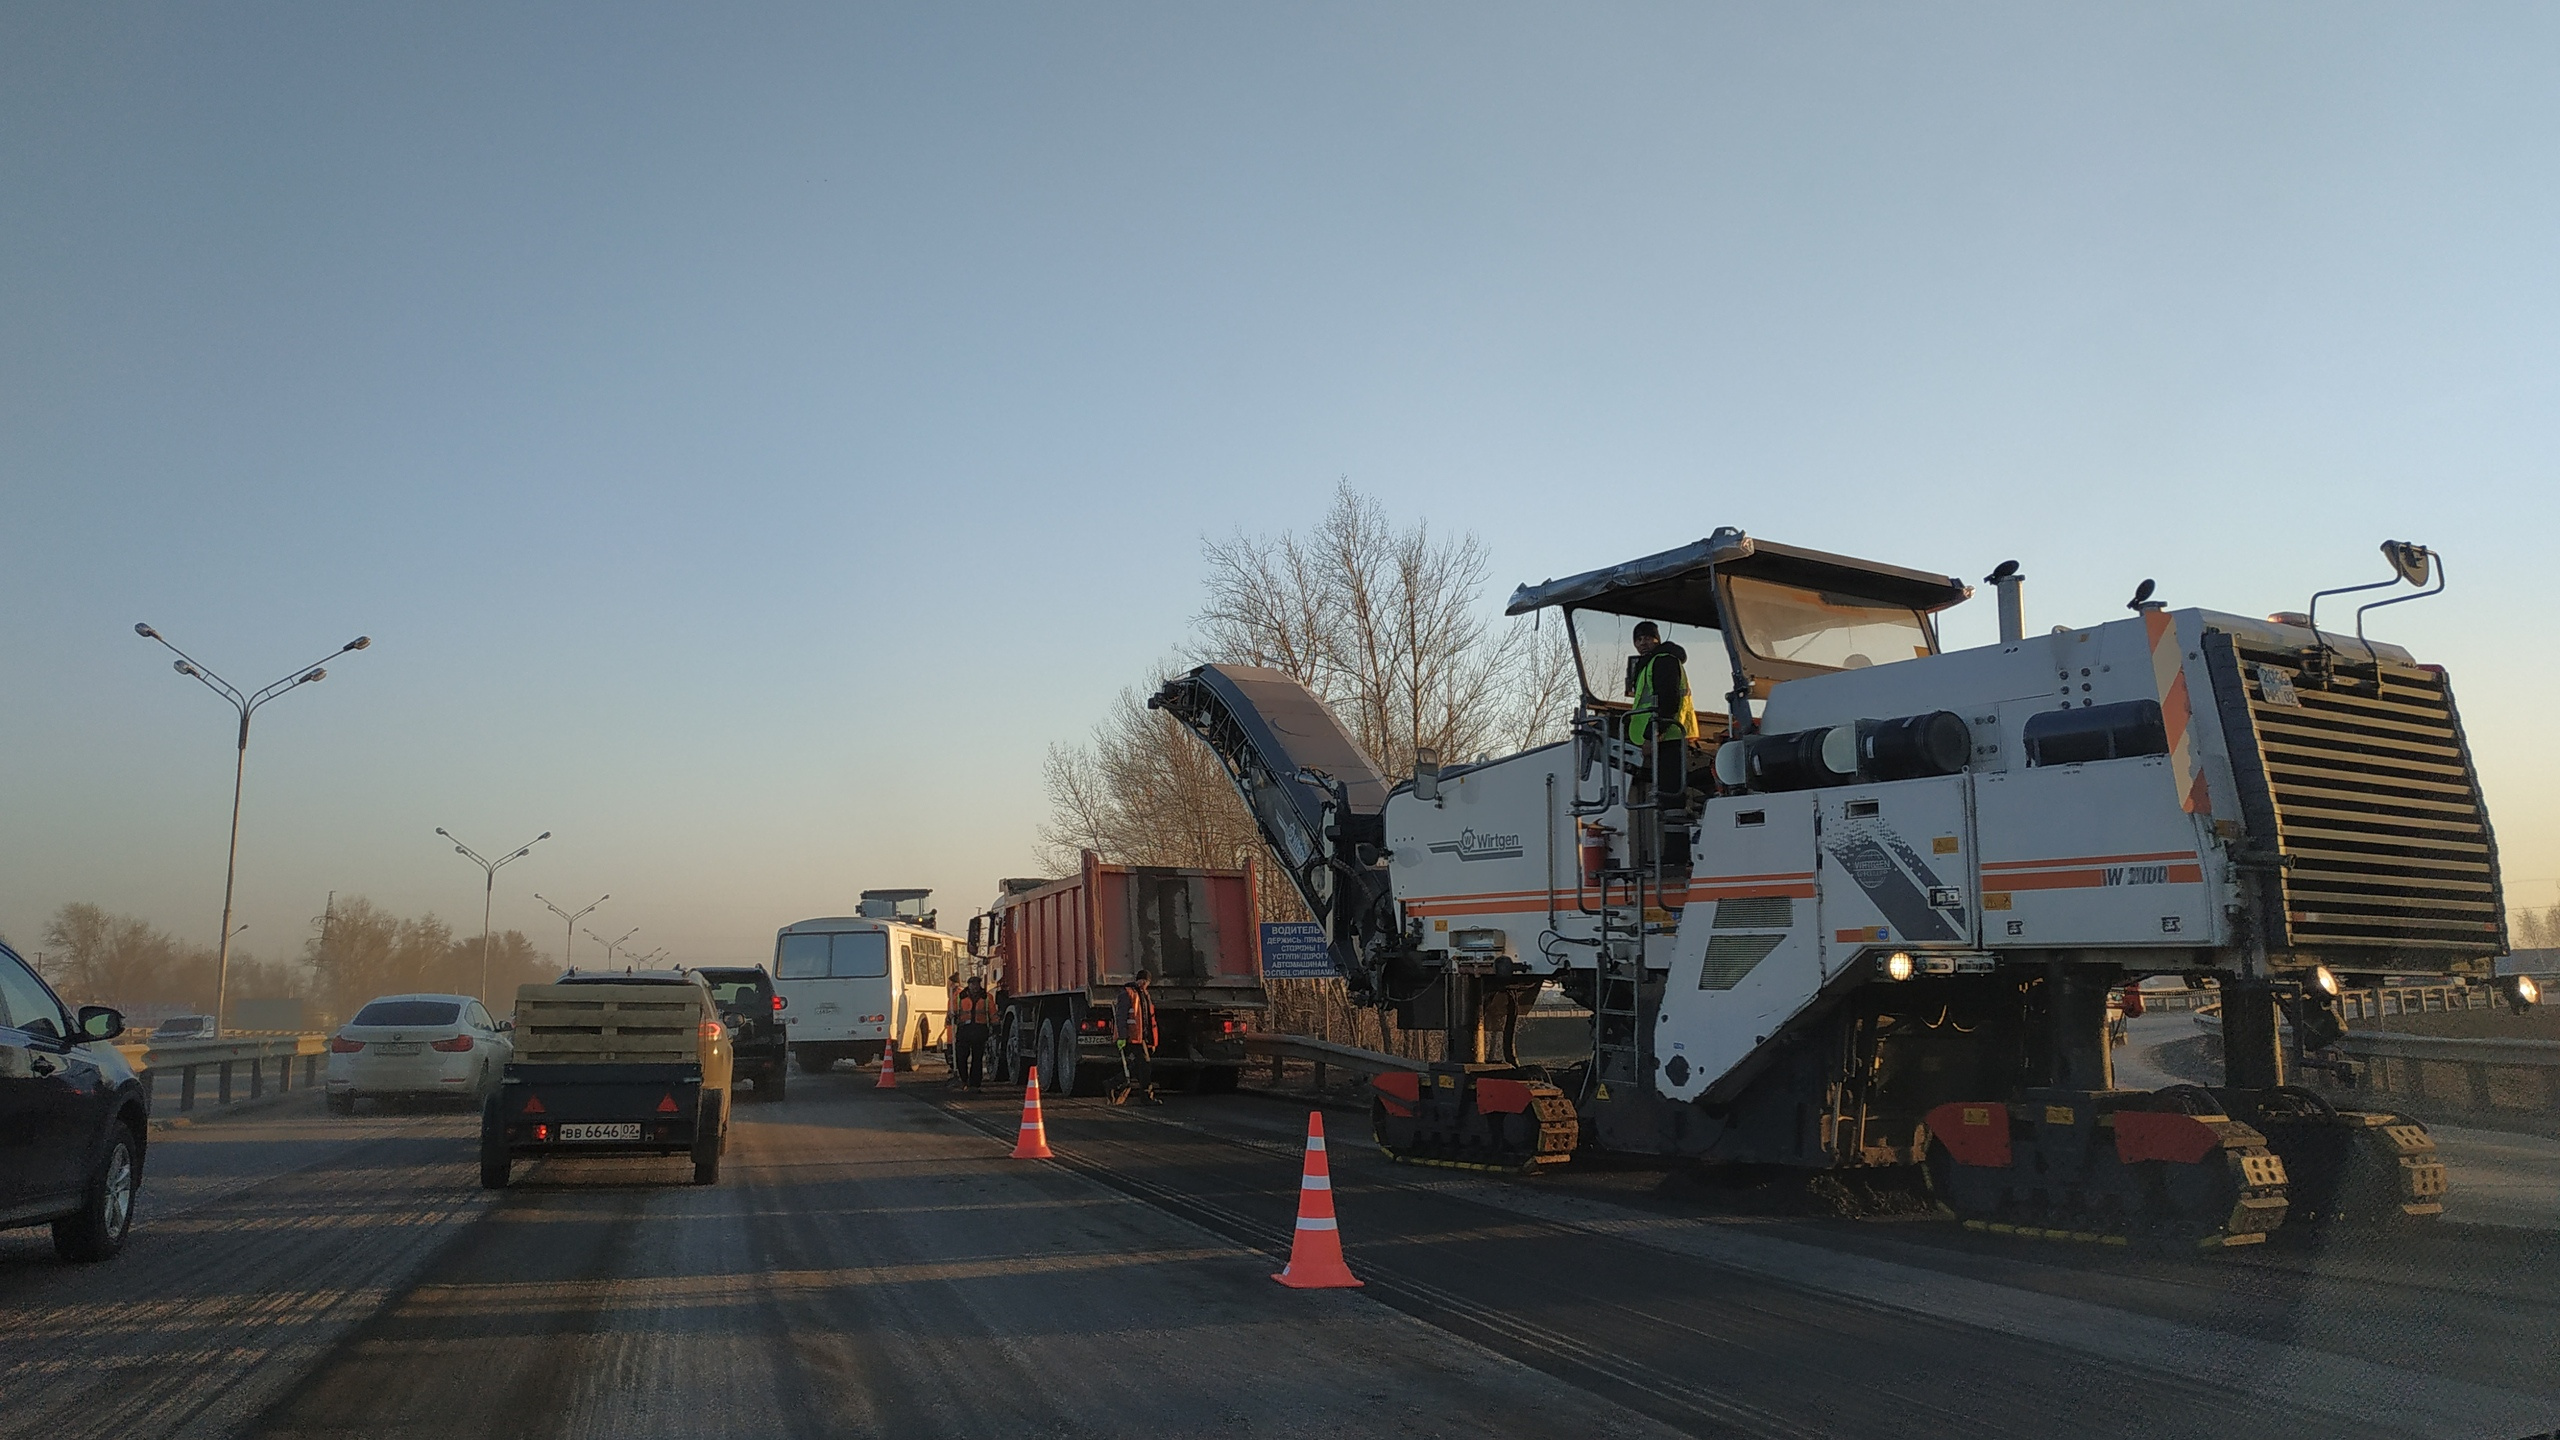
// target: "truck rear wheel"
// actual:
[[497, 1167], [1071, 1068], [1044, 1053], [707, 1140]]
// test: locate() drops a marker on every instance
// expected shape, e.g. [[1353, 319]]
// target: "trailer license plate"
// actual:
[[600, 1132]]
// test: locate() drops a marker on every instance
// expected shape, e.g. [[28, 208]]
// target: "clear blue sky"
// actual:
[[753, 435]]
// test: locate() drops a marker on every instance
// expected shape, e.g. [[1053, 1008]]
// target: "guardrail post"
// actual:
[[257, 1076], [222, 1096], [310, 1071], [186, 1087]]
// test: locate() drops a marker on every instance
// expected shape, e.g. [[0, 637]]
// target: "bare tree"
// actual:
[[1388, 628]]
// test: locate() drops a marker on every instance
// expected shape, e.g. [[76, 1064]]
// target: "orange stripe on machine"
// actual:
[[2100, 877]]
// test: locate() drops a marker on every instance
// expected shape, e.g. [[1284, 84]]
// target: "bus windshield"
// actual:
[[848, 955]]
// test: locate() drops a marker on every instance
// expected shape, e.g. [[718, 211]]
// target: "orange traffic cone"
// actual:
[[1315, 1254], [1033, 1142], [888, 1066]]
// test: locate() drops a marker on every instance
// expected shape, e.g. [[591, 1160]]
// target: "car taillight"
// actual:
[[1096, 1027], [341, 1045], [1234, 1027], [711, 1030], [778, 1002], [454, 1046], [873, 1019]]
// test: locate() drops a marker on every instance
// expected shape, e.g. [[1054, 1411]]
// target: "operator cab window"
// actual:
[[1604, 646], [1833, 632]]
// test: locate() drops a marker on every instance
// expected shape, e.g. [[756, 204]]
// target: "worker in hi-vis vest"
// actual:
[[1133, 1031], [973, 1014], [1662, 719]]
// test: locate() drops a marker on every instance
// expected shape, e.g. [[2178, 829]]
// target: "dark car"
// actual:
[[752, 1010], [72, 1118]]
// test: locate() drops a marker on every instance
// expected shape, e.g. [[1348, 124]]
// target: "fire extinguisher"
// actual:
[[1595, 851]]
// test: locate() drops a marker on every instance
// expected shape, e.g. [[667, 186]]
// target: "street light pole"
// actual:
[[247, 705], [569, 942], [489, 892], [612, 945]]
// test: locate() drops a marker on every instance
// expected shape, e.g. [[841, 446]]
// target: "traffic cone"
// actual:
[[888, 1066], [1315, 1253], [1033, 1142]]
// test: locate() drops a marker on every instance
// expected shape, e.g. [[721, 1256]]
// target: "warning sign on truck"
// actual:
[[1295, 950]]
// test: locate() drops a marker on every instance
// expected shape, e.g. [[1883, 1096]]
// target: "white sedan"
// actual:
[[401, 1047]]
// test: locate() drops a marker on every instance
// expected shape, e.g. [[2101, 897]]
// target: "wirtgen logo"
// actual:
[[1477, 845]]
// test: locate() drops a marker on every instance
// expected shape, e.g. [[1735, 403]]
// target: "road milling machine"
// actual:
[[1872, 912]]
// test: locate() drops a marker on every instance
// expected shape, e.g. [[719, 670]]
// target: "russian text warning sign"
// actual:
[[1295, 950]]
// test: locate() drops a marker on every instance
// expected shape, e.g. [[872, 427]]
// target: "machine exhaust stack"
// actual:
[[2009, 580]]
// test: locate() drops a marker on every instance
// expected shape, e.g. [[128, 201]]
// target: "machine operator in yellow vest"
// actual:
[[1662, 719]]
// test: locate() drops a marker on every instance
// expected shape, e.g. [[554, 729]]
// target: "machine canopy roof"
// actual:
[[1676, 585]]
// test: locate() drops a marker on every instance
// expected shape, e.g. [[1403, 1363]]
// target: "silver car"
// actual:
[[404, 1047]]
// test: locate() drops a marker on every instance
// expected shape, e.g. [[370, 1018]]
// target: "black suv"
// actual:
[[72, 1118], [752, 1009]]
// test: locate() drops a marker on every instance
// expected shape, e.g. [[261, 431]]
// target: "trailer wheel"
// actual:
[[496, 1165], [709, 1139]]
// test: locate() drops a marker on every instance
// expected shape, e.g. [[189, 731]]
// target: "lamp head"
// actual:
[[146, 632], [316, 674], [182, 667], [358, 643], [2409, 560], [440, 831]]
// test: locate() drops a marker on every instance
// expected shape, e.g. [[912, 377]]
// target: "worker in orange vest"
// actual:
[[973, 1012], [1133, 1029]]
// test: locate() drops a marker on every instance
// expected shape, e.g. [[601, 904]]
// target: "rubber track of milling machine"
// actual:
[[2105, 1168], [1473, 1117]]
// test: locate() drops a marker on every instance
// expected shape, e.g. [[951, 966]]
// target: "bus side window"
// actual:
[[906, 965]]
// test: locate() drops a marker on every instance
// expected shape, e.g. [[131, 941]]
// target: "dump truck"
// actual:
[[1063, 948], [1871, 913], [630, 1062]]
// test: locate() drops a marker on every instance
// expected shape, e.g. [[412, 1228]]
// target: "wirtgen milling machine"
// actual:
[[1879, 920]]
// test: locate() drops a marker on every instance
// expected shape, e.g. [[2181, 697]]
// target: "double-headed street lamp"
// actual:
[[612, 945], [489, 893], [247, 705], [569, 943]]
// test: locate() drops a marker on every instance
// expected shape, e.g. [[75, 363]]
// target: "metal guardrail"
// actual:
[[1324, 1054], [2515, 1078], [259, 1055]]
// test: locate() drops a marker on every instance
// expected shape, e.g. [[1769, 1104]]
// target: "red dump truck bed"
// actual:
[[1193, 930], [1066, 947]]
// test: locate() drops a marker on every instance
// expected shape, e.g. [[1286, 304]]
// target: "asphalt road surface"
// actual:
[[871, 1264]]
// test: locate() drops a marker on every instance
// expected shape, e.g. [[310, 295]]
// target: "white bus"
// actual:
[[848, 983]]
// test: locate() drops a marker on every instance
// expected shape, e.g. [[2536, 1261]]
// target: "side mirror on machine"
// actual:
[[977, 932], [1426, 773]]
